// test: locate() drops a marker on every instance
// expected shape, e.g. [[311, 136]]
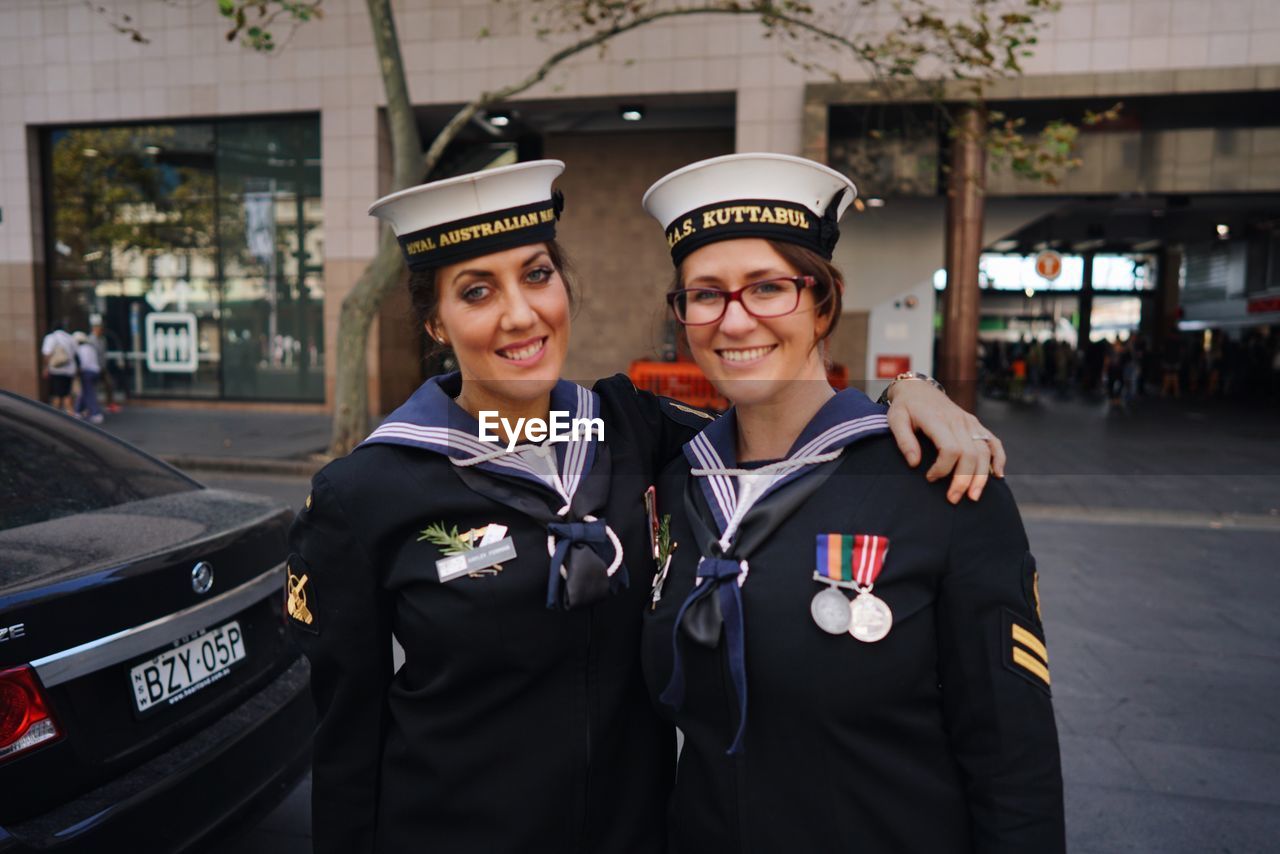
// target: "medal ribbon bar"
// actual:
[[868, 556], [855, 559], [835, 556]]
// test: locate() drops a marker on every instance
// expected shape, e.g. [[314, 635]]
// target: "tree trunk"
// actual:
[[964, 246], [351, 386], [360, 307]]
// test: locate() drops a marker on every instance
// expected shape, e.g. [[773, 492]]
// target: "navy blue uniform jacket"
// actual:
[[940, 738], [510, 727]]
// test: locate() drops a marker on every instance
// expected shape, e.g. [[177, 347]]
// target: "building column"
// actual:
[[1086, 301], [1166, 302]]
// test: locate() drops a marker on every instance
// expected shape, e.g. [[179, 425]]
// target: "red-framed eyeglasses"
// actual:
[[770, 298]]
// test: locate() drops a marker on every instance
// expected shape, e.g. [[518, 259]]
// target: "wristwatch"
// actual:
[[883, 399]]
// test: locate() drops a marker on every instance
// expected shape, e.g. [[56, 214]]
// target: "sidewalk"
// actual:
[[1170, 461], [1165, 462], [229, 440]]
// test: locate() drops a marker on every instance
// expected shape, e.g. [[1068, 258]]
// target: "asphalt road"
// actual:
[[1165, 655]]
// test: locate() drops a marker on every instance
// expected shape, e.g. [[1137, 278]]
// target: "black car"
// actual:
[[149, 696]]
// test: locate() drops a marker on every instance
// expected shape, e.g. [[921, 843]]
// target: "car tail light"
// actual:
[[25, 719]]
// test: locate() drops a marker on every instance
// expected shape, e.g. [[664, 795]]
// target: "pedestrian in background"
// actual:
[[98, 338], [59, 351], [87, 405], [1035, 364], [1063, 358], [1131, 367], [1113, 367]]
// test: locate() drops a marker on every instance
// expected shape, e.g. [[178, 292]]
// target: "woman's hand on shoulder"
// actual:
[[918, 406]]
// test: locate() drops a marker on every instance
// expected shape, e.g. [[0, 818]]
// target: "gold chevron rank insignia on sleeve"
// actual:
[[1025, 652]]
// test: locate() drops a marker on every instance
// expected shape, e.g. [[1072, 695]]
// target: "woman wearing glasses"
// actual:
[[856, 664], [514, 572]]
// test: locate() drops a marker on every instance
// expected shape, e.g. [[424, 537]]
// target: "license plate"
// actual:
[[177, 673]]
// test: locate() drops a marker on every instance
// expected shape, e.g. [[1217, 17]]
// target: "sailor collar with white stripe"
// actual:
[[430, 419], [844, 419]]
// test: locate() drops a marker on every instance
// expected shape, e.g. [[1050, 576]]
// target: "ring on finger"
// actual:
[[981, 437]]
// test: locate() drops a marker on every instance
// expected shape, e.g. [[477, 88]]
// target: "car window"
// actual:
[[52, 466]]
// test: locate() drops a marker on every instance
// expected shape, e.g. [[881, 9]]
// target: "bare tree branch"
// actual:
[[120, 22], [767, 12]]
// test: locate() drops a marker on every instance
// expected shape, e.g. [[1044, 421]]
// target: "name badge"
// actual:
[[481, 557]]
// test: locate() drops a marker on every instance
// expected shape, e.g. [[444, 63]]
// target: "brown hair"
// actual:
[[425, 296], [828, 289]]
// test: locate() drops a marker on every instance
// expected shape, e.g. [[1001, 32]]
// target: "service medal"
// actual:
[[869, 618], [830, 610], [851, 562]]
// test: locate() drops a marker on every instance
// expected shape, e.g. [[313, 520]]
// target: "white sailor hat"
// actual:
[[774, 196], [447, 221]]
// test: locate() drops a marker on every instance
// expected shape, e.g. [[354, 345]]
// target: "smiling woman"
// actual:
[[928, 696], [498, 701], [790, 301], [514, 575], [506, 317]]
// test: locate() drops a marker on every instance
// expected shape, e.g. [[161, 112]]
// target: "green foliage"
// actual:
[[448, 540], [666, 547], [975, 45], [588, 17], [114, 201], [252, 20], [1045, 157], [971, 45]]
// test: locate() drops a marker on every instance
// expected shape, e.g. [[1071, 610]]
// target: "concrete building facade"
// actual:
[[706, 86]]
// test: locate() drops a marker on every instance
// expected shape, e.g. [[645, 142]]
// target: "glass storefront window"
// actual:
[[1005, 272], [200, 248]]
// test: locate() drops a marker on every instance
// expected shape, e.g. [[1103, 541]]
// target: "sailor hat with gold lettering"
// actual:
[[447, 221], [773, 196]]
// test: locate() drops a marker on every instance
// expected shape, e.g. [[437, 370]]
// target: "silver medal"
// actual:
[[869, 618], [830, 610]]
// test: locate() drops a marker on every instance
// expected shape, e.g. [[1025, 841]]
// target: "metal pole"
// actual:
[[963, 246], [135, 345]]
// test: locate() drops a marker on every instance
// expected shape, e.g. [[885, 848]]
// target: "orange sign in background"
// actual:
[[1049, 265]]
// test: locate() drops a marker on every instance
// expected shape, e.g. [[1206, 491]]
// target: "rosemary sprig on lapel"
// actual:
[[665, 546], [449, 541]]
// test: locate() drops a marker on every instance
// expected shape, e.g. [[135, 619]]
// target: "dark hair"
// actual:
[[828, 290], [425, 297]]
